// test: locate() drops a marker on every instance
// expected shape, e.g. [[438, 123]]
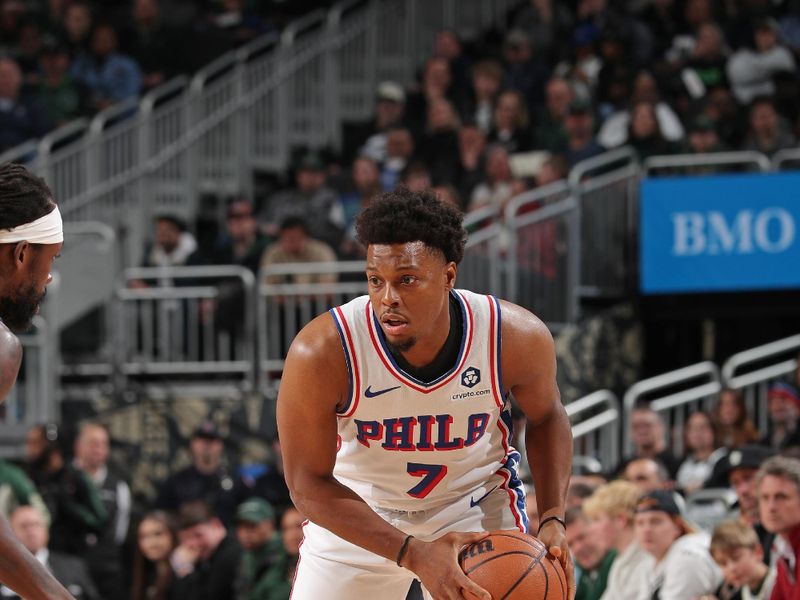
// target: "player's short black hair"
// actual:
[[403, 216], [24, 197]]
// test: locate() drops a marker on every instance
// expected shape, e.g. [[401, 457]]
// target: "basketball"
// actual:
[[511, 565]]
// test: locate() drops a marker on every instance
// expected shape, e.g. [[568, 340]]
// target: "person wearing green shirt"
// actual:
[[592, 554], [264, 561]]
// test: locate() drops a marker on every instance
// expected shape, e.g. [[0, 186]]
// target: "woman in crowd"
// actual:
[[702, 452], [156, 539], [734, 427]]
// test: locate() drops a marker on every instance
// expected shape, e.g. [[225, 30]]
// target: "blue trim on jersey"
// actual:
[[390, 356], [350, 385], [515, 484], [507, 419], [499, 349]]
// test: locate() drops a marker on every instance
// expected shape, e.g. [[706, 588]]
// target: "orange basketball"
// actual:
[[511, 565]]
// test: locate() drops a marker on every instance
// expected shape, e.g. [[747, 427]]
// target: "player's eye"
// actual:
[[408, 279], [374, 281]]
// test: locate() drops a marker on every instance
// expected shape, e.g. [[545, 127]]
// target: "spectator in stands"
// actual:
[[478, 105], [734, 427], [416, 177], [242, 244], [783, 406], [645, 134], [592, 554], [619, 127], [28, 50], [210, 560], [205, 479], [526, 72], [579, 127], [366, 184], [610, 512], [105, 551], [172, 246], [399, 154], [703, 137], [369, 138], [751, 69], [263, 565], [683, 564], [61, 97], [440, 142], [471, 146], [156, 47], [738, 469], [706, 64], [17, 489], [778, 485], [737, 550], [295, 245], [495, 190], [78, 27], [547, 24], [71, 497], [21, 116], [238, 22], [311, 199], [435, 84], [702, 452], [648, 434], [30, 527], [510, 123], [720, 106], [447, 45], [152, 577], [109, 75], [449, 195], [615, 78], [549, 132], [647, 473], [768, 130]]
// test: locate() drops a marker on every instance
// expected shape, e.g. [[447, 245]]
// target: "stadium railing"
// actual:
[[786, 159], [708, 163], [596, 427], [674, 395], [753, 371], [193, 323]]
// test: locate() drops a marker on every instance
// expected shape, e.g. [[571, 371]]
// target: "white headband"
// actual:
[[46, 230]]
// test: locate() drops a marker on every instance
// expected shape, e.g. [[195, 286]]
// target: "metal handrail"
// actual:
[[101, 119], [667, 380], [19, 151], [609, 416], [338, 9], [785, 155], [302, 26], [611, 157], [312, 268], [64, 132], [216, 67], [707, 159], [756, 355], [149, 100], [536, 195]]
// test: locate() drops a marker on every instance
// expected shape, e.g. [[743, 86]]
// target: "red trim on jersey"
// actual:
[[513, 497], [498, 397], [354, 363], [469, 325], [297, 566]]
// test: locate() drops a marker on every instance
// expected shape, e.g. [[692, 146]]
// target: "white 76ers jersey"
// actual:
[[408, 445]]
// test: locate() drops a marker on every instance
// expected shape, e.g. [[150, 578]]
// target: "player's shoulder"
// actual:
[[10, 346], [520, 323], [316, 341]]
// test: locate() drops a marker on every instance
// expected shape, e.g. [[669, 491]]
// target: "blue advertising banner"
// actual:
[[720, 233]]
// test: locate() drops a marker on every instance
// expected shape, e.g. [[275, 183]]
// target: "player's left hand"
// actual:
[[553, 536]]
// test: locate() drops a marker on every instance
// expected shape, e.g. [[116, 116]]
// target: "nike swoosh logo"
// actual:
[[478, 501], [370, 394]]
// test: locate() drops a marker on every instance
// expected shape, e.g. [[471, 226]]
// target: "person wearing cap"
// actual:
[[738, 469], [62, 98], [778, 487], [783, 406], [205, 479], [369, 137], [684, 567], [579, 126], [263, 566], [751, 69]]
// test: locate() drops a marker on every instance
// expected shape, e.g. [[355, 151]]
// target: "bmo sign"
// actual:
[[724, 233]]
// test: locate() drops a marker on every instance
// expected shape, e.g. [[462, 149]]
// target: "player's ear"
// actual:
[[450, 275], [21, 252]]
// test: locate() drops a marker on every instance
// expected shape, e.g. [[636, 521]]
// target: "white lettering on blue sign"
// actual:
[[770, 230]]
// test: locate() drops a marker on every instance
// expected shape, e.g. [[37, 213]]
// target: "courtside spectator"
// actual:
[[610, 511], [295, 245], [263, 563], [737, 550], [778, 485], [734, 427], [648, 474], [592, 553], [156, 539], [648, 434], [30, 527], [702, 452], [683, 565], [783, 406]]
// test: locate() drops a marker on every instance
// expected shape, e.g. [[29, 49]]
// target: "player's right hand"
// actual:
[[436, 565]]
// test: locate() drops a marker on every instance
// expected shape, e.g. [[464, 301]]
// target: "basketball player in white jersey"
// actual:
[[31, 236], [395, 424]]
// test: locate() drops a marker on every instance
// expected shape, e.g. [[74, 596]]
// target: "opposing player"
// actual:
[[395, 423], [30, 238]]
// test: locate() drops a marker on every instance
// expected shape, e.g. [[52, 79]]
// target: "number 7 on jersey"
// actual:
[[431, 476]]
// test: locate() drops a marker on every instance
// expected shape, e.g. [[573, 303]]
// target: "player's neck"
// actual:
[[428, 347]]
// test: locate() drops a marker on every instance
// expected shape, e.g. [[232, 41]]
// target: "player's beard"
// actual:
[[402, 346], [17, 312]]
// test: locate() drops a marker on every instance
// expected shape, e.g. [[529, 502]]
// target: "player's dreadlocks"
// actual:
[[403, 216], [24, 197]]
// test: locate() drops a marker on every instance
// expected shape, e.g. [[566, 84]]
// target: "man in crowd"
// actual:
[[648, 434], [263, 560], [592, 553]]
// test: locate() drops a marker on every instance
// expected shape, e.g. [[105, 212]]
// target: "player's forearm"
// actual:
[[549, 448], [20, 571], [338, 509]]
